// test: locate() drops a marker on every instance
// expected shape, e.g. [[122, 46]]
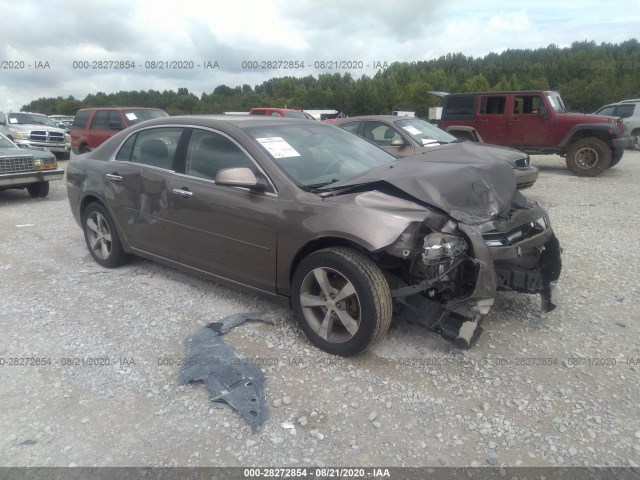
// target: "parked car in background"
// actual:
[[536, 122], [62, 121], [318, 217], [629, 112], [406, 136], [92, 126], [26, 168], [280, 112], [34, 130]]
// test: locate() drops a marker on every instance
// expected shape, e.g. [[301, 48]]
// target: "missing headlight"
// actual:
[[439, 248]]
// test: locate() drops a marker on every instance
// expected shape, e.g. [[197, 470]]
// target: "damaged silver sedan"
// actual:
[[320, 218]]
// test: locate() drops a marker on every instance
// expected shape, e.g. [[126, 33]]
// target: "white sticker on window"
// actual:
[[429, 142], [131, 116], [278, 147], [13, 120], [412, 130]]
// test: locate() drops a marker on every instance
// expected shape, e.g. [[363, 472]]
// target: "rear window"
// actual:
[[80, 121]]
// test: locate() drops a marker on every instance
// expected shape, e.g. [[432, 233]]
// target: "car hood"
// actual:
[[36, 153], [468, 183]]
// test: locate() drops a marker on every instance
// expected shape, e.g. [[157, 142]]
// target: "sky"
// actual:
[[59, 48]]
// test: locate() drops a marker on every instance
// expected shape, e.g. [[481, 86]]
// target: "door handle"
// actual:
[[113, 176], [483, 119], [513, 120], [182, 193]]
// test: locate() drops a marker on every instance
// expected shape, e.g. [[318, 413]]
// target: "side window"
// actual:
[[258, 112], [210, 152], [80, 120], [351, 126], [155, 147], [625, 111], [275, 114], [115, 120], [126, 150], [492, 105], [100, 120], [380, 133], [527, 104], [460, 106]]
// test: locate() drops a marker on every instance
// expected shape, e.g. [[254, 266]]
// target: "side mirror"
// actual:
[[397, 142], [237, 177], [544, 113], [116, 126]]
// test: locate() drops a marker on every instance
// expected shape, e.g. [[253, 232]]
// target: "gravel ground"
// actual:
[[553, 389]]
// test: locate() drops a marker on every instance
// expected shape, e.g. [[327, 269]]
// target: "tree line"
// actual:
[[586, 74]]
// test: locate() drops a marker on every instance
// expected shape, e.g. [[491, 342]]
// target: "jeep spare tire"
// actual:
[[588, 157]]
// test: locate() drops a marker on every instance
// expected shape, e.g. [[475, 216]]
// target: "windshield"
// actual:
[[5, 142], [30, 119], [556, 102], [137, 116], [423, 132], [316, 155], [296, 115]]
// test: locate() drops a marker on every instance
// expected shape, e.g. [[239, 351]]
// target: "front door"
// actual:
[[526, 125], [227, 231]]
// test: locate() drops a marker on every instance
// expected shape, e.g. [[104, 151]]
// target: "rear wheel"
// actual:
[[588, 157], [102, 238], [636, 140], [85, 149], [341, 300], [38, 190]]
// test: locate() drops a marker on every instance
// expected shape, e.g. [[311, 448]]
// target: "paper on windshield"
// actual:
[[412, 130], [13, 120], [131, 116], [278, 147], [429, 142]]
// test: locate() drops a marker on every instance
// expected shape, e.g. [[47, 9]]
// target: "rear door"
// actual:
[[137, 189], [227, 231]]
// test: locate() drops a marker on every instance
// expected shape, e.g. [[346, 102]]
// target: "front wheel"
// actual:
[[588, 157], [38, 190], [341, 300], [102, 238], [615, 158]]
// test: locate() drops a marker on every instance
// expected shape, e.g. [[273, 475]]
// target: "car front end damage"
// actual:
[[441, 261]]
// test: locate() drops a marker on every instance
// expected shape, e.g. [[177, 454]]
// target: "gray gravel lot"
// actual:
[[553, 389]]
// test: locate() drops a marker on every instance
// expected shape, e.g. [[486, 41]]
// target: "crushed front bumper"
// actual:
[[521, 254]]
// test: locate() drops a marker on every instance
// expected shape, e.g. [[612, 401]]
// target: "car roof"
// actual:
[[118, 108], [235, 120], [385, 118]]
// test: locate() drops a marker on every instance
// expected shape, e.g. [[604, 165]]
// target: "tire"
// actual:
[[615, 159], [101, 237], [38, 190], [636, 140], [346, 327], [63, 155], [85, 149], [588, 157]]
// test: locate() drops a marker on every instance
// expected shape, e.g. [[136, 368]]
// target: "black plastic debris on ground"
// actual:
[[233, 382]]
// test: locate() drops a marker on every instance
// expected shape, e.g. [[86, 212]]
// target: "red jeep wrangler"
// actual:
[[536, 122]]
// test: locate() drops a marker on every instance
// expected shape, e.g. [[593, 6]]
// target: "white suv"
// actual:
[[629, 111]]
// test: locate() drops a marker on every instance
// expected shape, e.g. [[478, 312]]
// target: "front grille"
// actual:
[[46, 136], [16, 164]]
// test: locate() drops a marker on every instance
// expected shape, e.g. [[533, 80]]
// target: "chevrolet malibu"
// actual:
[[320, 218]]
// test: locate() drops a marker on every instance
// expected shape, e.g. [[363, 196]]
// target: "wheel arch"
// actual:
[[468, 131], [319, 244]]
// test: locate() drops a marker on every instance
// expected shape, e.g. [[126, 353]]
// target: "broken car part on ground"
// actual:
[[233, 382], [312, 215]]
